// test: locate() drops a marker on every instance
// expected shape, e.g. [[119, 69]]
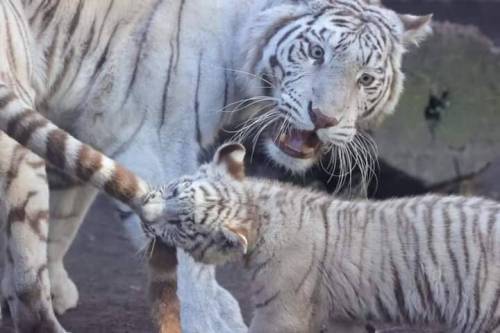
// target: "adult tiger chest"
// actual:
[[118, 74]]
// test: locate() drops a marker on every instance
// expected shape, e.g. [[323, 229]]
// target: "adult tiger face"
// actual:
[[329, 68]]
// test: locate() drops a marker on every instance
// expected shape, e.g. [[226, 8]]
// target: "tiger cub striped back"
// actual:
[[312, 257]]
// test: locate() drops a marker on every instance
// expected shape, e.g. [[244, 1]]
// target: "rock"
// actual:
[[446, 125]]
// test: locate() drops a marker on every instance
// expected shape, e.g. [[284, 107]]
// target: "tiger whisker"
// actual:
[[246, 129], [251, 75], [241, 103]]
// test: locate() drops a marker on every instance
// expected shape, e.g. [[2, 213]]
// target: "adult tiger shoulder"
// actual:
[[146, 82]]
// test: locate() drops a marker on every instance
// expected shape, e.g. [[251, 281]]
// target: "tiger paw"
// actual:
[[37, 316], [63, 290]]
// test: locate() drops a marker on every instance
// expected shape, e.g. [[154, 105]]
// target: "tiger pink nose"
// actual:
[[320, 120]]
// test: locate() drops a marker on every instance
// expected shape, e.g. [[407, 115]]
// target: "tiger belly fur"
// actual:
[[146, 82], [311, 257]]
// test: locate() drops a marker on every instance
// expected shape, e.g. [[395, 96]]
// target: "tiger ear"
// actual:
[[416, 28], [231, 156]]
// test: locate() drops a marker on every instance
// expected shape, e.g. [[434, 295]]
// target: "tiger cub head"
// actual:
[[324, 69], [208, 214]]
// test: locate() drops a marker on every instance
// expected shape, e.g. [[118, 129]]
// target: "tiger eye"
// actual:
[[317, 52], [366, 79]]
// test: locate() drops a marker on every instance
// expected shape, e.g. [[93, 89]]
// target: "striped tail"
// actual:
[[65, 152]]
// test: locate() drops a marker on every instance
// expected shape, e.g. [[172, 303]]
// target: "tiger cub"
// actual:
[[312, 257]]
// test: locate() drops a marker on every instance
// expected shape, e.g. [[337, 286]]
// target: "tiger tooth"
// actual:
[[282, 138]]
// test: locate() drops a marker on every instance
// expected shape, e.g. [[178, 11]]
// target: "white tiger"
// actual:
[[145, 82]]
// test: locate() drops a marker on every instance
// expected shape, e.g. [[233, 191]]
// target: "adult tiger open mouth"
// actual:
[[298, 143]]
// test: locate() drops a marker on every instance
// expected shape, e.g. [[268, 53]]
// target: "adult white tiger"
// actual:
[[144, 81]]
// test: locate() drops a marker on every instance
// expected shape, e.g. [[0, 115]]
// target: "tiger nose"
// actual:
[[320, 120]]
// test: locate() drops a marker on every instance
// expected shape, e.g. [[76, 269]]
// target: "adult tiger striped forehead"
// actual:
[[330, 67]]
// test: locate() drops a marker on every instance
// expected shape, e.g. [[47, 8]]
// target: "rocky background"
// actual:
[[443, 137], [444, 131]]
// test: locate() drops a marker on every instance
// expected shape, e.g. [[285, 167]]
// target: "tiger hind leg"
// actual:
[[25, 201]]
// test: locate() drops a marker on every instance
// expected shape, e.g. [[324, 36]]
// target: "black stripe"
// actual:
[[429, 223], [22, 28], [103, 24], [271, 32], [454, 262], [400, 216], [493, 309], [352, 6], [24, 133], [68, 60], [17, 122], [309, 269], [139, 53], [324, 215], [303, 209], [259, 268], [104, 54], [73, 24], [424, 299], [50, 52], [56, 148], [36, 12], [226, 90], [178, 34], [420, 270], [84, 53], [166, 87], [197, 101], [382, 308], [491, 234], [208, 245], [267, 301], [477, 295], [286, 35]]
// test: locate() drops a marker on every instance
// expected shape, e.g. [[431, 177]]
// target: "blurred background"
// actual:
[[444, 137], [443, 134]]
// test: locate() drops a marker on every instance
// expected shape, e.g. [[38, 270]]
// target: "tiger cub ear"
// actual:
[[231, 156], [416, 28]]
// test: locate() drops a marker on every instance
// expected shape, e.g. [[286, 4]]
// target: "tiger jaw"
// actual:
[[299, 150], [299, 143], [296, 150]]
